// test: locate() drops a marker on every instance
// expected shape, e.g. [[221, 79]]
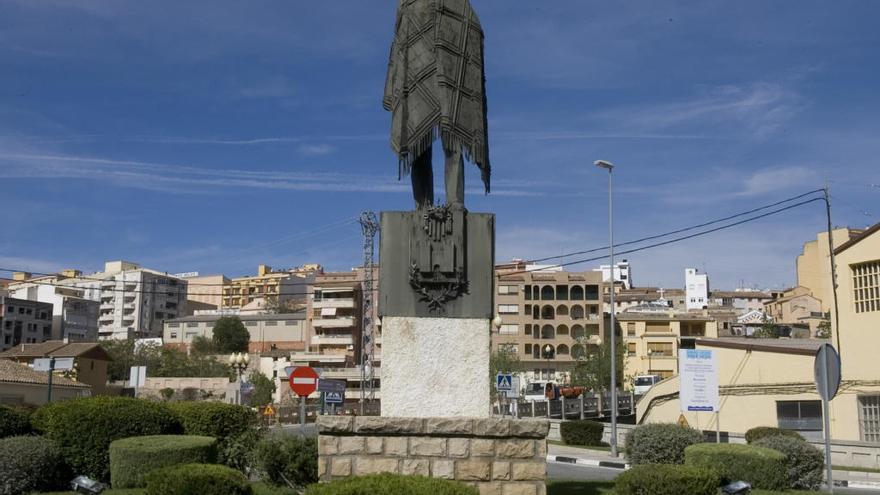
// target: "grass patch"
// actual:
[[580, 488], [604, 447], [856, 469]]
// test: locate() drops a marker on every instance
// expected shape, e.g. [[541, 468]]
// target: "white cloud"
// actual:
[[316, 149], [778, 179]]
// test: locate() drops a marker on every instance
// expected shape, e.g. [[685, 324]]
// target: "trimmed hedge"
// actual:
[[582, 432], [189, 479], [29, 463], [131, 459], [660, 443], [760, 432], [805, 463], [762, 467], [228, 423], [391, 484], [85, 427], [14, 422], [667, 479], [288, 458]]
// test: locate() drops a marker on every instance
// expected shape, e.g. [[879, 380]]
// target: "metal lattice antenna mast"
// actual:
[[369, 227]]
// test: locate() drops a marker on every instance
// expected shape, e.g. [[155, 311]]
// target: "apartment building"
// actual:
[[814, 264], [268, 332], [696, 289], [627, 298], [269, 290], [622, 273], [204, 292], [549, 317], [797, 308], [74, 318], [24, 322]]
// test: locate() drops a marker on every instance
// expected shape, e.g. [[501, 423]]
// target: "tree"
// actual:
[[126, 354], [202, 345], [592, 370], [230, 335], [503, 361], [823, 331], [768, 330], [264, 387]]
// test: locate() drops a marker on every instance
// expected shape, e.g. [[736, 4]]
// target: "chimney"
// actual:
[[20, 276], [263, 270]]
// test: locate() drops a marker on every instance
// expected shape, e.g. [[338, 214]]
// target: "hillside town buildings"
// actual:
[[24, 322]]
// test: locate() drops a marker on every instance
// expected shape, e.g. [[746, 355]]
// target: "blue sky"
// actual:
[[213, 136]]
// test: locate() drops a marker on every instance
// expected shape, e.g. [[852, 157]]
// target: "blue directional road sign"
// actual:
[[503, 382], [331, 385], [334, 397]]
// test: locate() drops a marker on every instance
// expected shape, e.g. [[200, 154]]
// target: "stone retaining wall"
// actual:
[[500, 456]]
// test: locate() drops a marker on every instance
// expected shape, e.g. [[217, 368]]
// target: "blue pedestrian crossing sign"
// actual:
[[334, 397], [503, 382]]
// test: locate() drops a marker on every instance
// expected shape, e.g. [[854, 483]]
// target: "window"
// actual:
[[561, 292], [528, 348], [174, 325], [10, 310], [271, 323], [657, 328], [508, 348], [190, 335], [631, 328], [250, 323], [509, 329], [664, 374], [803, 415], [173, 335], [507, 290], [191, 324], [508, 309], [660, 349], [290, 323], [527, 292], [547, 293], [592, 293], [630, 348], [29, 311], [866, 286], [576, 293], [869, 418]]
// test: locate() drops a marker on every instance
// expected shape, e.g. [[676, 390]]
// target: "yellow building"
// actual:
[[268, 288], [797, 307], [769, 382], [814, 264]]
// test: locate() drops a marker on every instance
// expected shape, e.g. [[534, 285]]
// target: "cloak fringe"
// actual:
[[473, 152]]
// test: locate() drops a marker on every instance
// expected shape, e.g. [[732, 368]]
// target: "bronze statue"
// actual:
[[436, 88]]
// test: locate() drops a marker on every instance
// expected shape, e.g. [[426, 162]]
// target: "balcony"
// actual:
[[307, 357], [106, 318], [332, 340], [353, 374], [333, 303], [108, 306], [334, 323]]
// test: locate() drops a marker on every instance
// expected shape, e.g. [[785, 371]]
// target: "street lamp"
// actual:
[[239, 362], [608, 166], [497, 321]]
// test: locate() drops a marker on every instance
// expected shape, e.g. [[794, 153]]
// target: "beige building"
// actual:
[[814, 264], [20, 385], [90, 360], [267, 331], [770, 382], [205, 291], [269, 289], [549, 318], [653, 334], [797, 308]]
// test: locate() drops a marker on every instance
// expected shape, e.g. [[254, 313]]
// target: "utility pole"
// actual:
[[369, 228], [833, 267]]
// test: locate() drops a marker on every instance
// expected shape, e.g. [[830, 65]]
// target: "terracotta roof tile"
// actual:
[[12, 372]]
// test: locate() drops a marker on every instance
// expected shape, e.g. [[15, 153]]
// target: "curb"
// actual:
[[588, 462], [866, 485]]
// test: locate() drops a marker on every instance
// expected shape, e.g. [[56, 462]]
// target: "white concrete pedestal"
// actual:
[[435, 367]]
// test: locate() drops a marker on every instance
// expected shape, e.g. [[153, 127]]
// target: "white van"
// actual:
[[643, 383]]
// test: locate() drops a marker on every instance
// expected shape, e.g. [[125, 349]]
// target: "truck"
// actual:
[[643, 383]]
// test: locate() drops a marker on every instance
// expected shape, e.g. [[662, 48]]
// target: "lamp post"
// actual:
[[610, 167], [238, 362]]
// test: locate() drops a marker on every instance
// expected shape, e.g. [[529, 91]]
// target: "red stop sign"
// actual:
[[303, 380]]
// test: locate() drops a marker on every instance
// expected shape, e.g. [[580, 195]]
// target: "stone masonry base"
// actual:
[[500, 456]]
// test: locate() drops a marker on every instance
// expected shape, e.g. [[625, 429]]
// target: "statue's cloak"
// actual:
[[436, 82]]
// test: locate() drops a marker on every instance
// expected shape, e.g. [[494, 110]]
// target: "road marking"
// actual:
[[303, 381]]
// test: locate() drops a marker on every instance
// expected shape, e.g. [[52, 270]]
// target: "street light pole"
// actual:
[[610, 167]]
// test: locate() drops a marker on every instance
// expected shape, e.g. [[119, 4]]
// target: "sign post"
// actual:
[[51, 364], [303, 381], [503, 384], [698, 371], [827, 371]]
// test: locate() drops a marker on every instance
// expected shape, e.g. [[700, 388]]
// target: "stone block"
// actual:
[[375, 465], [519, 489], [340, 467], [449, 426], [529, 428], [482, 447], [516, 448], [441, 468], [492, 427], [335, 424], [328, 445], [541, 449], [351, 445], [427, 446], [388, 426], [415, 467], [489, 488], [501, 470], [529, 471], [322, 467], [458, 447], [374, 445], [473, 470], [396, 446]]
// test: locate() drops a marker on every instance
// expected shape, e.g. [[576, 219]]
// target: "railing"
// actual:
[[589, 406]]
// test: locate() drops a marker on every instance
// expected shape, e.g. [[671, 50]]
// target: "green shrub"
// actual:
[[84, 428], [760, 432], [225, 422], [390, 484], [805, 462], [762, 467], [288, 458], [14, 422], [660, 443], [584, 432], [239, 452], [189, 479], [667, 479], [131, 459], [29, 463]]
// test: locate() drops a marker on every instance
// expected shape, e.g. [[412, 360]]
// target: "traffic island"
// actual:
[[499, 456]]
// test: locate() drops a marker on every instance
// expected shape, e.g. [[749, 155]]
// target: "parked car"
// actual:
[[643, 383]]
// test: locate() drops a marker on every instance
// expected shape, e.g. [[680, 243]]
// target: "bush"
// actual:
[[805, 462], [667, 479], [187, 479], [131, 459], [84, 428], [29, 463], [240, 452], [583, 432], [14, 422], [760, 432], [660, 443], [225, 422], [288, 459], [391, 484], [762, 467]]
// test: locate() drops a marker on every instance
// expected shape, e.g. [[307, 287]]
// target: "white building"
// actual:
[[622, 273], [74, 318], [696, 286]]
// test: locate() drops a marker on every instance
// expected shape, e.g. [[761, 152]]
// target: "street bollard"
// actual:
[[562, 399], [582, 406], [548, 408]]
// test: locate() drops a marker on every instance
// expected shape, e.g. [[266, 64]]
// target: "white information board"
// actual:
[[698, 371]]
